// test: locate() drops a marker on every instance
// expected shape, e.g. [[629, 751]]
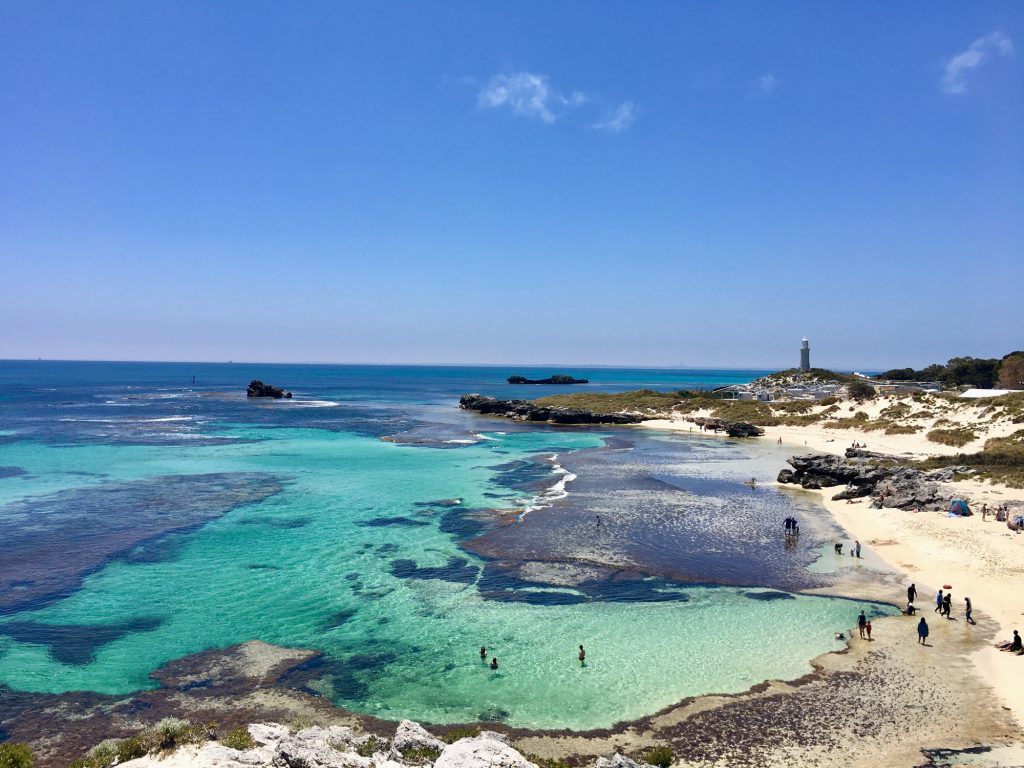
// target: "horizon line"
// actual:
[[425, 365]]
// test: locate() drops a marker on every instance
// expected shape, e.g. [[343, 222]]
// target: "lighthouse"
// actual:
[[805, 355]]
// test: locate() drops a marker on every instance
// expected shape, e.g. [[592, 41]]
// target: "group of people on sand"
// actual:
[[855, 444], [581, 656], [854, 549], [1001, 512], [943, 607]]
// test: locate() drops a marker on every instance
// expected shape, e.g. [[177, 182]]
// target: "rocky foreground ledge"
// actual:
[[524, 410], [274, 746], [869, 474]]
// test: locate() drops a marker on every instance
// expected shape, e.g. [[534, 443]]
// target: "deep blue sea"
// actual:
[[150, 510]]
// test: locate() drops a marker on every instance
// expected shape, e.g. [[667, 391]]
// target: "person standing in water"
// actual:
[[483, 653], [582, 656], [922, 631], [494, 662]]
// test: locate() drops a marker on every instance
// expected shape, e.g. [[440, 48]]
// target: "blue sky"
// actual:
[[606, 183]]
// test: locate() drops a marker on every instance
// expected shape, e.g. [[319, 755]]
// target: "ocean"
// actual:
[[146, 515]]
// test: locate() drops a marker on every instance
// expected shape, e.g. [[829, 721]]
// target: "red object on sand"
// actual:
[[947, 586]]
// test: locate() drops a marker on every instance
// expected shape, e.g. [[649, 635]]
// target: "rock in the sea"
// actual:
[[891, 485], [258, 389], [558, 378], [524, 410], [412, 735], [488, 750]]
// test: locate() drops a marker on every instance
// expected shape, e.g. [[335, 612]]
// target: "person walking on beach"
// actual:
[[856, 548], [922, 631], [911, 593], [582, 656], [862, 622], [967, 610], [947, 603], [938, 603]]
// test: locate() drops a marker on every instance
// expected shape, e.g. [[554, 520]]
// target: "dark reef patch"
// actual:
[[769, 596], [338, 618], [54, 541], [283, 524], [383, 522], [12, 472], [74, 643], [457, 571]]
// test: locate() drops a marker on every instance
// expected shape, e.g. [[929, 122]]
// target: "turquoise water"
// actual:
[[318, 563]]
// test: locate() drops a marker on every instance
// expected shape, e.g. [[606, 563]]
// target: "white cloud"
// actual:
[[977, 53], [528, 95], [617, 121], [762, 85]]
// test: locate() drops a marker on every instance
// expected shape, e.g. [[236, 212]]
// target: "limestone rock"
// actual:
[[619, 761], [412, 735], [483, 751]]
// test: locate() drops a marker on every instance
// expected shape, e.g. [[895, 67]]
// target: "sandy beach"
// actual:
[[980, 559]]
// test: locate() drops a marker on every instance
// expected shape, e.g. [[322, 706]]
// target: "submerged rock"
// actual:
[[258, 389], [524, 410]]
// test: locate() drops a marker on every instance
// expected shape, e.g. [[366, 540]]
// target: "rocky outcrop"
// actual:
[[731, 428], [338, 747], [258, 389], [488, 750], [524, 410], [558, 378], [890, 485]]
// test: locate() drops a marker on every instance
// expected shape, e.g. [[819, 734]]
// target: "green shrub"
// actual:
[[129, 749], [461, 732], [368, 747], [659, 756], [828, 401], [239, 738], [955, 437], [16, 756], [423, 755], [901, 429]]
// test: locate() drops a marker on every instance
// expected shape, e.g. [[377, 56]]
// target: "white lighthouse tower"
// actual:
[[805, 355]]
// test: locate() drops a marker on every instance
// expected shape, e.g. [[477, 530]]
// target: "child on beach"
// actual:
[[922, 631], [867, 628]]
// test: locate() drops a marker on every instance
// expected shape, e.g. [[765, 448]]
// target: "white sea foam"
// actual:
[[552, 494], [482, 436], [169, 418], [462, 442], [310, 403]]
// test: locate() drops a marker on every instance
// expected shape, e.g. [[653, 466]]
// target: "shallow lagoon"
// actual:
[[323, 562]]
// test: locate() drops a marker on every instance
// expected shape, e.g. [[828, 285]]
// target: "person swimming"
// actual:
[[494, 662]]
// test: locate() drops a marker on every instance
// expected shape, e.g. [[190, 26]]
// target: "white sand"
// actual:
[[981, 560]]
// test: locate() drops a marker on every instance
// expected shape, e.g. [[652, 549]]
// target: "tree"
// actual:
[[860, 390], [1011, 372]]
